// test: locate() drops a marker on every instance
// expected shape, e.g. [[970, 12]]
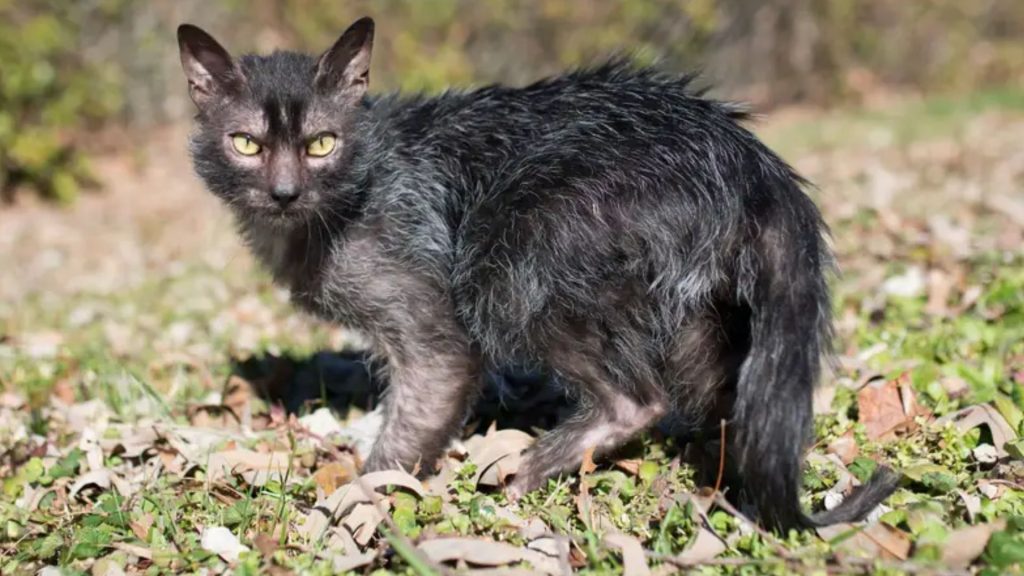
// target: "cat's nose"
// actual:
[[284, 195]]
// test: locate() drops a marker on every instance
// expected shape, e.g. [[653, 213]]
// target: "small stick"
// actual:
[[721, 457]]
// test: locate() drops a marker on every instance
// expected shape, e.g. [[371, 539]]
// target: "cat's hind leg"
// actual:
[[609, 413]]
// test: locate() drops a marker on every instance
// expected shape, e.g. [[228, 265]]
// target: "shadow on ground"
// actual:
[[344, 380]]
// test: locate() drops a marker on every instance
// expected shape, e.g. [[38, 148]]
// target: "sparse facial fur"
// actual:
[[610, 226]]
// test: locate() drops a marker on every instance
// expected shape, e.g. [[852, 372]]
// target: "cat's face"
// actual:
[[275, 133]]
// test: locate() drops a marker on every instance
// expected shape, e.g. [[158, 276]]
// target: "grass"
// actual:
[[934, 298]]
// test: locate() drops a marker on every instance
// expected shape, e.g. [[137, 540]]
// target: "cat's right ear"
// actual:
[[211, 72]]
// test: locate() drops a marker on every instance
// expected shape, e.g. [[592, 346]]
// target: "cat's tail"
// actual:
[[790, 334]]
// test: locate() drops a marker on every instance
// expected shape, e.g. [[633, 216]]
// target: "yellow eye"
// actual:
[[322, 145], [245, 145]]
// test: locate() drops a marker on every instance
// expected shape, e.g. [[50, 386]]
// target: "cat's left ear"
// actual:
[[345, 68], [210, 70]]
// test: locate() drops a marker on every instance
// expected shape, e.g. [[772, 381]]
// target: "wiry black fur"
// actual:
[[611, 226]]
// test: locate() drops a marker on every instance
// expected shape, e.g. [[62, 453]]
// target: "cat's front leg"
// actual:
[[429, 393]]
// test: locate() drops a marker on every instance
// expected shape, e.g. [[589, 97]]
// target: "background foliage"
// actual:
[[72, 66]]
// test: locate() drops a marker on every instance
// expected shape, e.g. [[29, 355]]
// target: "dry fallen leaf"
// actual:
[[940, 286], [321, 423], [874, 541], [486, 553], [706, 545], [885, 407], [363, 520], [497, 454], [140, 526], [587, 465], [257, 468], [965, 544], [266, 544], [823, 397], [972, 504], [222, 542], [983, 415], [343, 500], [845, 447], [333, 475], [339, 538], [101, 479], [133, 549], [212, 416], [349, 562], [238, 399], [630, 466]]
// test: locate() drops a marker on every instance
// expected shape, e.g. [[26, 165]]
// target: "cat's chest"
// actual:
[[350, 282]]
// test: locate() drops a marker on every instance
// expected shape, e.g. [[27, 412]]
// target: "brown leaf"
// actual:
[[845, 447], [965, 544], [133, 549], [238, 397], [630, 466], [875, 541], [885, 407], [332, 476], [587, 465], [170, 459], [634, 562], [266, 544], [141, 525]]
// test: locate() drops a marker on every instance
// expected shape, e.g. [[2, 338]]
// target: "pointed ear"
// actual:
[[345, 68], [209, 68]]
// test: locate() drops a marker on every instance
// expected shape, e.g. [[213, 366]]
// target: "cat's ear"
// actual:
[[345, 68], [211, 72]]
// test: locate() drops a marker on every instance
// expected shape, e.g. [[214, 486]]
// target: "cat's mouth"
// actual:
[[261, 207], [285, 216], [275, 216]]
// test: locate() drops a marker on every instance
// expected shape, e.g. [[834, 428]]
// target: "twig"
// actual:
[[721, 457]]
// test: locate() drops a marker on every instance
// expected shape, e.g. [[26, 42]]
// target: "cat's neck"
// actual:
[[291, 254]]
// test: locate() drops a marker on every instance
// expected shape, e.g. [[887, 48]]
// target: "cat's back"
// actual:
[[614, 101]]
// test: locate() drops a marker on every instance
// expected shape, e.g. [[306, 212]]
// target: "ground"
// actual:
[[139, 346]]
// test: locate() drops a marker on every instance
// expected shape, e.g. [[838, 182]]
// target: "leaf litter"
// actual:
[[155, 456]]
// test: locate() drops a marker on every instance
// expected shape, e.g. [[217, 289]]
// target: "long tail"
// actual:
[[791, 332]]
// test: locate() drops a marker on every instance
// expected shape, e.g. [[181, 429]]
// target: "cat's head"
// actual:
[[275, 134]]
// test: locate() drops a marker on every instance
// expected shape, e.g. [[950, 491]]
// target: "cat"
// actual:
[[611, 226]]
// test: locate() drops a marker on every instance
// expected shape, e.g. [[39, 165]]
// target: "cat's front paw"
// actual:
[[521, 484]]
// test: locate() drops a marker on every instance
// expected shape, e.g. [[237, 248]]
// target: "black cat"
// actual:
[[610, 226]]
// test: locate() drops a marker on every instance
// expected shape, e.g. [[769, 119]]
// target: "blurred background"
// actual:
[[72, 67], [908, 116]]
